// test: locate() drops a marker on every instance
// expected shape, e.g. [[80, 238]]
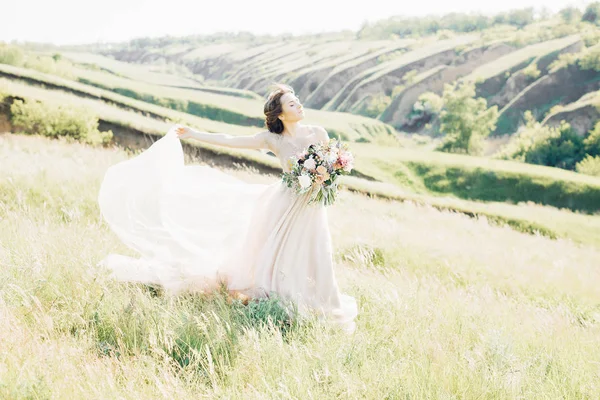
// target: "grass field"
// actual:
[[479, 178], [449, 306]]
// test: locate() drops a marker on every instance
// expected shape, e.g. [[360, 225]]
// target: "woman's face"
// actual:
[[292, 110]]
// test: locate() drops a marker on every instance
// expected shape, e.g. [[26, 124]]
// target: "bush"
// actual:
[[591, 37], [465, 120], [592, 142], [56, 65], [586, 60], [11, 55], [390, 56], [532, 72], [589, 166], [544, 145], [563, 61], [590, 59], [520, 18], [55, 121], [429, 103], [372, 105], [425, 111]]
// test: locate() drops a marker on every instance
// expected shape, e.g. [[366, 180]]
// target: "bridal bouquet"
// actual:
[[318, 167]]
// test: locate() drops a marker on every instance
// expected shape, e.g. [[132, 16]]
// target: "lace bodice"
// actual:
[[285, 147]]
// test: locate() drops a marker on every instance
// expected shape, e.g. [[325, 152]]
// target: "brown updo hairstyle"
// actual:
[[273, 107]]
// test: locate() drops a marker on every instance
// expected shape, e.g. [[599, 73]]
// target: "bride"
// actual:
[[196, 227]]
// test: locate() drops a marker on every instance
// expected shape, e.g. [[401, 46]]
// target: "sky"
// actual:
[[78, 22]]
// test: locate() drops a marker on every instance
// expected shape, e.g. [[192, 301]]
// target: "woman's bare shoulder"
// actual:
[[319, 131]]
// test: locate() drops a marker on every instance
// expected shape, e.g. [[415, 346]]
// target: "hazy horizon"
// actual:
[[67, 22]]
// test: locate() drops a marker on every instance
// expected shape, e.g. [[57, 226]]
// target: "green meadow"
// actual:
[[475, 277], [453, 306]]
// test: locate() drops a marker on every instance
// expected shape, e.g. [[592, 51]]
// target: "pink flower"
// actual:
[[344, 159]]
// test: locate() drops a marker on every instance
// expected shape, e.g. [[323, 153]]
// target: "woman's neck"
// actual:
[[292, 130]]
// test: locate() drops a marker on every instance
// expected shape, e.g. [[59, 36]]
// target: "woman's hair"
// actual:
[[273, 107]]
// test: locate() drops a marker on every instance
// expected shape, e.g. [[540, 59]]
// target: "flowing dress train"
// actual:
[[195, 227]]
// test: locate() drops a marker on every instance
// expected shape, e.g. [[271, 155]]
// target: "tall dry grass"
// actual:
[[449, 307]]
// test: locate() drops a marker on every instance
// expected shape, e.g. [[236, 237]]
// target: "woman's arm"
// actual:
[[256, 141]]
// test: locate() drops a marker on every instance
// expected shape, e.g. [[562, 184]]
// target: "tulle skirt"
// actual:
[[196, 228]]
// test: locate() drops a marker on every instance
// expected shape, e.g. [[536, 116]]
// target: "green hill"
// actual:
[[391, 172], [374, 77]]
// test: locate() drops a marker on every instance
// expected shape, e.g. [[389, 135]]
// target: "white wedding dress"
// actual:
[[195, 227]]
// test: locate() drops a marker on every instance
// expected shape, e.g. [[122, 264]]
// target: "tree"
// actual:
[[465, 120], [592, 12], [520, 18], [570, 14]]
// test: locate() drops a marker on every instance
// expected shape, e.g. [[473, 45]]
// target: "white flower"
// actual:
[[310, 164], [304, 181], [331, 157]]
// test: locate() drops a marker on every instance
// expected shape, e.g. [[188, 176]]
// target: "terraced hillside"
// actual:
[[562, 87], [234, 110], [382, 79], [434, 179], [581, 114], [398, 112]]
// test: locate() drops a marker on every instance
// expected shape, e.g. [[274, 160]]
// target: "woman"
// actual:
[[197, 227]]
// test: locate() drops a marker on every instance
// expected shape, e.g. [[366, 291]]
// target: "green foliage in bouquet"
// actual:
[[316, 170]]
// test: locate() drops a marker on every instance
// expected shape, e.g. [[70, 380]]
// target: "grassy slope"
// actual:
[[449, 307], [346, 68], [388, 113], [591, 100], [128, 70], [144, 74], [250, 112], [545, 93], [479, 178], [369, 162], [350, 60], [349, 126], [339, 101], [509, 61], [412, 57]]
